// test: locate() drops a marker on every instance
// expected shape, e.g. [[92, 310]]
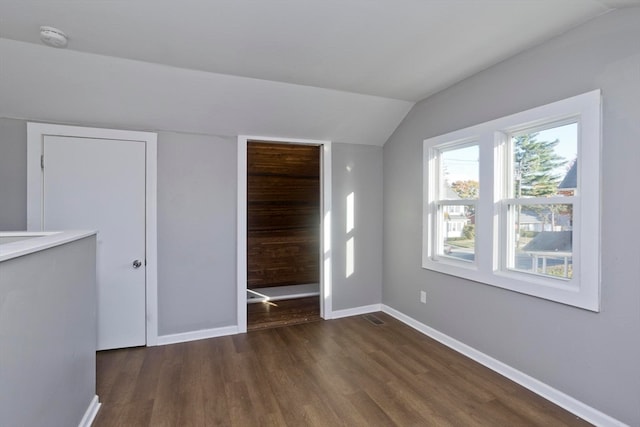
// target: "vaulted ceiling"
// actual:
[[401, 49]]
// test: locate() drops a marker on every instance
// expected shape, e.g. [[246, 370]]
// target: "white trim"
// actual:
[[197, 335], [355, 311], [35, 141], [325, 226], [152, 239], [561, 399], [91, 412], [241, 236], [326, 287]]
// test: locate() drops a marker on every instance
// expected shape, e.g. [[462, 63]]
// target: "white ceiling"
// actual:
[[401, 49]]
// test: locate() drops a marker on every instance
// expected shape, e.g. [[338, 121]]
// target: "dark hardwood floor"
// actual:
[[344, 372], [282, 313]]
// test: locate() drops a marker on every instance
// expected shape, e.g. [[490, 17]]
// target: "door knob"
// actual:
[[137, 263]]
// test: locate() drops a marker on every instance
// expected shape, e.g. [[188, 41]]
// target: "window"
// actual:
[[541, 190], [456, 192], [515, 202]]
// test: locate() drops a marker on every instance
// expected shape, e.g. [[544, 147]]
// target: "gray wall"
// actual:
[[13, 175], [592, 357], [48, 335], [196, 232], [357, 169]]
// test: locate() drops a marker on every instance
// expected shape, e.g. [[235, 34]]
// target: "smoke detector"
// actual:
[[53, 37]]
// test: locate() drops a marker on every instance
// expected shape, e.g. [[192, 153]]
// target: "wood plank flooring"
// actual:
[[344, 372], [282, 313]]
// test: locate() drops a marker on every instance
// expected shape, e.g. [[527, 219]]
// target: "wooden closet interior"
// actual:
[[283, 234]]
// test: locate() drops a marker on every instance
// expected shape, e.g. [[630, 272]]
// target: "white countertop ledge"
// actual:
[[37, 241]]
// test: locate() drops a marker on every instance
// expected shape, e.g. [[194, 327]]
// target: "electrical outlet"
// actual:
[[423, 297]]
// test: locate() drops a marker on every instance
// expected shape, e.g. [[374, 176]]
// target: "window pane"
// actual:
[[544, 163], [542, 242], [457, 232], [459, 173]]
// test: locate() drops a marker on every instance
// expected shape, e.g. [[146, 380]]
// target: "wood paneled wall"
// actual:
[[283, 214]]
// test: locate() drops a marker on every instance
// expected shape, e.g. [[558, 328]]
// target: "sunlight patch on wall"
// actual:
[[350, 212], [350, 262], [350, 248]]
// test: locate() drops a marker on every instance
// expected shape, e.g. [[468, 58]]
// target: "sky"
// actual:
[[461, 164], [568, 136]]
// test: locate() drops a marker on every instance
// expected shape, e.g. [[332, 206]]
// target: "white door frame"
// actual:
[[35, 143], [326, 310]]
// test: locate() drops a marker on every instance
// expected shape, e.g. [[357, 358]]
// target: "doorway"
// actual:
[[300, 270], [102, 179], [283, 234]]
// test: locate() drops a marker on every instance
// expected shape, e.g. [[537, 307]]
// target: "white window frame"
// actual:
[[490, 266]]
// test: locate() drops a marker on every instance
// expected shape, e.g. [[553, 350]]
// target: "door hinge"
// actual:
[[42, 161]]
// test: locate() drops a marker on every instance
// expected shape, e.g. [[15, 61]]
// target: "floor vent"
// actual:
[[373, 319]]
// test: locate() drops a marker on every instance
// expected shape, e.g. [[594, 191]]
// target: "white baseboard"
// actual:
[[337, 314], [551, 394], [197, 335], [90, 413]]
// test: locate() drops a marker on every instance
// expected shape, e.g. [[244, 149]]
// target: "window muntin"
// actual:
[[509, 210]]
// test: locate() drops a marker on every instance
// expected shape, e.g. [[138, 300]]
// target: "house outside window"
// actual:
[[515, 202]]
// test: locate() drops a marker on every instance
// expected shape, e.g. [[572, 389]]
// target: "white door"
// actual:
[[92, 183]]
